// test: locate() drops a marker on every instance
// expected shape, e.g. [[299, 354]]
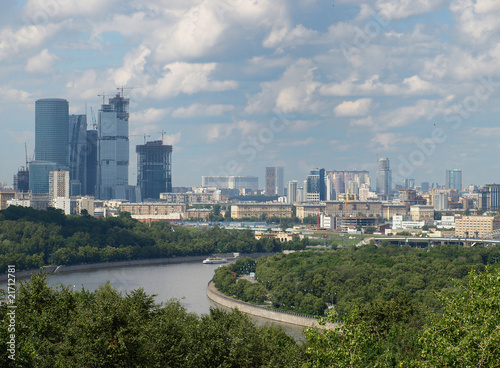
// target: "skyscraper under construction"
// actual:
[[154, 169], [113, 149]]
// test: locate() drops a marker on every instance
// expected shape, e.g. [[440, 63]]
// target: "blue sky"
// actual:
[[238, 85]]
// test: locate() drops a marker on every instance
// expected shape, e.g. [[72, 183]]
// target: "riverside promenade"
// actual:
[[255, 310]]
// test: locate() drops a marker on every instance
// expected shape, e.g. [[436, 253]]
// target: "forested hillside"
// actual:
[[30, 239], [67, 328], [305, 282]]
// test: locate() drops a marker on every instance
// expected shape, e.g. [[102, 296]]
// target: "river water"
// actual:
[[186, 282]]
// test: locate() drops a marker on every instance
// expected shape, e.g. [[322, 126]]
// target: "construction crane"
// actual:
[[103, 97], [141, 135], [122, 88], [93, 119], [162, 134]]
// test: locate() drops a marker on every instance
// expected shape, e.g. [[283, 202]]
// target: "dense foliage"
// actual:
[[66, 328], [466, 334], [354, 277], [61, 327], [30, 239]]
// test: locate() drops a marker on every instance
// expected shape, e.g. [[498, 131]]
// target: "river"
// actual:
[[186, 282]]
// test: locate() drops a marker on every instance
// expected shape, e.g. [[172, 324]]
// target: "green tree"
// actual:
[[467, 333]]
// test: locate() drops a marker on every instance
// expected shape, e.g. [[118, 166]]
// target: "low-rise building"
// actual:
[[353, 209], [155, 211], [198, 213], [4, 197], [257, 210], [304, 210], [476, 226], [422, 213], [406, 222]]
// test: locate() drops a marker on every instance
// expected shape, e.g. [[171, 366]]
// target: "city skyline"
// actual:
[[241, 86]]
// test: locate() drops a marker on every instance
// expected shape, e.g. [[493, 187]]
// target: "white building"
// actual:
[[405, 222], [230, 182], [446, 222]]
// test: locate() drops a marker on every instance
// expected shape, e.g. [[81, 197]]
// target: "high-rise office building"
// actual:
[[22, 180], [51, 142], [154, 169], [78, 154], [316, 187], [384, 177], [292, 191], [91, 166], [113, 149], [280, 181], [270, 181], [51, 131], [453, 179], [489, 198]]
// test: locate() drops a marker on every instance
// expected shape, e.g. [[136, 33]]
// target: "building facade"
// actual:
[[113, 149], [230, 182], [270, 181], [257, 210], [59, 184], [154, 169], [316, 186], [476, 226], [384, 178], [51, 142], [78, 153], [453, 179]]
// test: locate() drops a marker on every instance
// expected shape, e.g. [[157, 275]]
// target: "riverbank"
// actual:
[[134, 263], [255, 310]]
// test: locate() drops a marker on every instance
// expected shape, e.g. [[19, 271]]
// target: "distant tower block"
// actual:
[[154, 169]]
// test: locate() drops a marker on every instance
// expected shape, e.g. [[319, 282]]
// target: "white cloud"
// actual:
[[44, 62], [172, 139], [399, 9], [295, 91], [359, 107], [189, 79], [148, 116], [200, 110]]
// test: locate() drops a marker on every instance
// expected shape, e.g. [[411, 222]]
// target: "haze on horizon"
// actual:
[[238, 85]]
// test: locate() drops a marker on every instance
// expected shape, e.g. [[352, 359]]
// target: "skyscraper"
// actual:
[[154, 169], [113, 149], [51, 142], [292, 191], [453, 179], [51, 131], [280, 181], [316, 187], [270, 181], [91, 157], [78, 154], [384, 177]]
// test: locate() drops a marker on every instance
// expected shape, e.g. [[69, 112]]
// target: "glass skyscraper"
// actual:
[[384, 177], [154, 169], [51, 142], [453, 179], [113, 149]]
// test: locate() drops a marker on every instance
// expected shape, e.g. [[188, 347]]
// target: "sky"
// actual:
[[238, 85]]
